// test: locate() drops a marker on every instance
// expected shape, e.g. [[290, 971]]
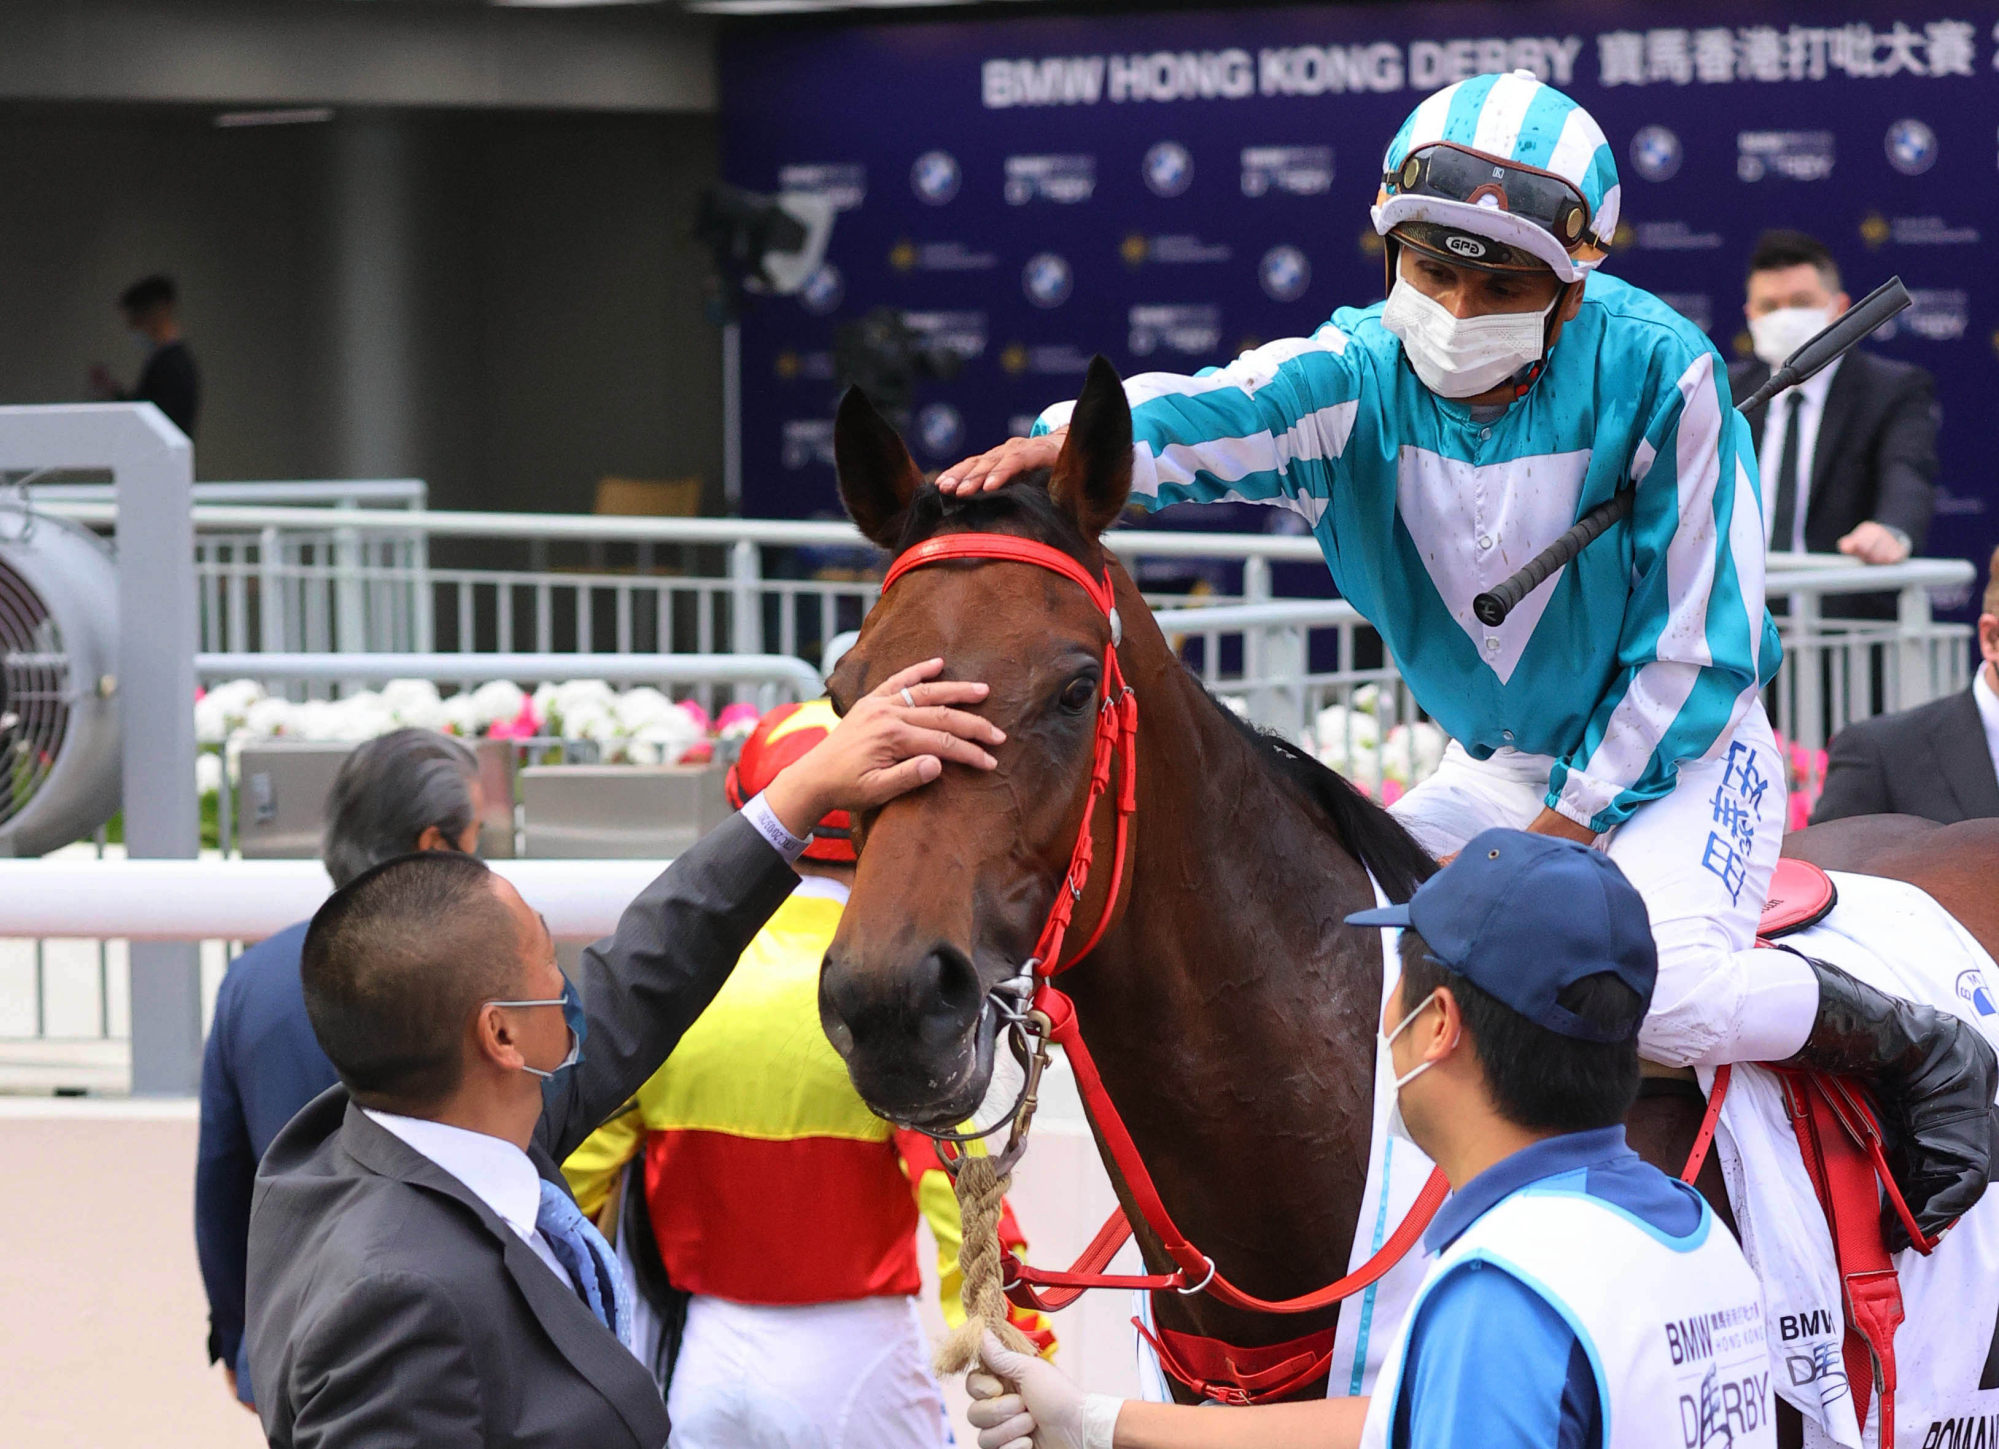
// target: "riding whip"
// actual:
[[1491, 608]]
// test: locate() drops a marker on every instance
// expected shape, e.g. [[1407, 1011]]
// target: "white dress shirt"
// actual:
[[495, 1171], [1811, 411], [1988, 710]]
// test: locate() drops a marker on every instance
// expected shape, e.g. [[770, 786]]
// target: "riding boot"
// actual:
[[1933, 1078]]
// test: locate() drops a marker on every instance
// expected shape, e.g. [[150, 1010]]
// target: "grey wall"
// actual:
[[504, 303], [260, 52]]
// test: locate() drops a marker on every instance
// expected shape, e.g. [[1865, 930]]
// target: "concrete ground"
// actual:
[[102, 1317]]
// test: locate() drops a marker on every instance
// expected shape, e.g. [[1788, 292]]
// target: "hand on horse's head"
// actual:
[[1087, 459], [891, 741], [992, 468]]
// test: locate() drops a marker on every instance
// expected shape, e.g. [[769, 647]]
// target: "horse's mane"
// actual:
[[1369, 833]]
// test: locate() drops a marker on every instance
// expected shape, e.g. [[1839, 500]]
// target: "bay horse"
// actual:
[[1230, 1011]]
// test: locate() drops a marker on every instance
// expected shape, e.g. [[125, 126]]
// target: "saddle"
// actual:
[[1839, 1137]]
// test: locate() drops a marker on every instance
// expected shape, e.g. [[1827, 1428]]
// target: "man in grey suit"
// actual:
[[418, 1274], [1940, 760]]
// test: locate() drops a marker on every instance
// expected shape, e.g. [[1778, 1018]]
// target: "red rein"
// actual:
[[1117, 743]]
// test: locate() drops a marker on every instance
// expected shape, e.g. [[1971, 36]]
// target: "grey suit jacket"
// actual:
[[389, 1306], [1930, 761]]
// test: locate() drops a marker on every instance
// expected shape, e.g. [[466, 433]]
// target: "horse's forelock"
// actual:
[[1023, 506]]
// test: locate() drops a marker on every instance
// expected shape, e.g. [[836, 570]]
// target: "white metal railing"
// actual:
[[316, 579], [1360, 717]]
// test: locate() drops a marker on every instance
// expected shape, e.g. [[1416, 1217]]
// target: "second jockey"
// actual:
[[1437, 441]]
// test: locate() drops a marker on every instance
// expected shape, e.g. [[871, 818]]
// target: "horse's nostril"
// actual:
[[945, 991]]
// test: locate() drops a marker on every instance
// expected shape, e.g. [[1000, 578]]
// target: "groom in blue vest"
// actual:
[[1572, 1287]]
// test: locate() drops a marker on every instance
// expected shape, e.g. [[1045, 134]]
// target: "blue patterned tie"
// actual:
[[593, 1267]]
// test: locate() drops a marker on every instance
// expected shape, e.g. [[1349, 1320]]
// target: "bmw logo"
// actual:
[[1912, 147], [1169, 169], [1047, 280], [823, 291], [1285, 273], [1655, 152], [934, 177], [1971, 987], [941, 428]]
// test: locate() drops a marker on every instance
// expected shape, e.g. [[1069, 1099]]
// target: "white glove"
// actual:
[[1033, 1405]]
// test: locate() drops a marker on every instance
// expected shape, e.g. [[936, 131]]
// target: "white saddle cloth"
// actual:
[[1894, 937]]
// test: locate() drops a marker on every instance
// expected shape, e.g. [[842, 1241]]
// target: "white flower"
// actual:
[[211, 720], [269, 717], [1412, 752], [1367, 699], [544, 700], [414, 702], [222, 709], [462, 716], [645, 705], [361, 717], [1346, 730], [207, 773], [665, 742], [498, 701], [591, 719]]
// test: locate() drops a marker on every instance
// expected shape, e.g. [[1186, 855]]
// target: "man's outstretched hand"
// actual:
[[886, 745], [992, 468]]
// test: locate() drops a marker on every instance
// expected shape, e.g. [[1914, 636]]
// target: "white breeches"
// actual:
[[1701, 857], [818, 1376]]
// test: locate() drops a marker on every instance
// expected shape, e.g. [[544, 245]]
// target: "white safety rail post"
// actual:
[[746, 605], [151, 464], [1912, 678]]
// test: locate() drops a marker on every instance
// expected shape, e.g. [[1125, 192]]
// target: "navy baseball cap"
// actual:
[[1522, 916]]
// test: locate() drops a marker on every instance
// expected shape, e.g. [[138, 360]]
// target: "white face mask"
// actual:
[[1396, 1126], [1463, 356], [1776, 335]]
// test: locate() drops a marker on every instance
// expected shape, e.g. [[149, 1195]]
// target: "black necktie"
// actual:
[[1787, 480]]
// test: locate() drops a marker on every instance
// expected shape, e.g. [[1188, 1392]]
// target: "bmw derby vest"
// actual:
[[1673, 1327]]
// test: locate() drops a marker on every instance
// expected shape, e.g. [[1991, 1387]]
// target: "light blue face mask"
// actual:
[[572, 1015], [1396, 1126]]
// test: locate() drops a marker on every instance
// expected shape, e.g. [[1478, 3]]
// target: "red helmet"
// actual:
[[780, 737]]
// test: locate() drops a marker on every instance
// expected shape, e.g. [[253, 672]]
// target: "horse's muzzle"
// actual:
[[918, 1043]]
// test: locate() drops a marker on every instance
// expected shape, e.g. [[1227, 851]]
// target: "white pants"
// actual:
[[1701, 857], [819, 1376]]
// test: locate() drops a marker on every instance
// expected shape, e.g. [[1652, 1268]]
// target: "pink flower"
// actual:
[[697, 713], [698, 753], [735, 714], [1391, 791], [523, 726]]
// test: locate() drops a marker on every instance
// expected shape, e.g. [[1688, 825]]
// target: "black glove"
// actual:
[[1933, 1078]]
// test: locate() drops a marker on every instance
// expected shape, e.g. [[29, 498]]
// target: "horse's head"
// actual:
[[956, 879]]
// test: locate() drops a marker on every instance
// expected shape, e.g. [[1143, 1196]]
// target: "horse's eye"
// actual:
[[1079, 694]]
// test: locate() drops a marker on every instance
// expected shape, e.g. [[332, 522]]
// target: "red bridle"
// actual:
[[1116, 738]]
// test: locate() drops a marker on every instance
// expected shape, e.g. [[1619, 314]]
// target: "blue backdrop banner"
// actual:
[[1168, 189]]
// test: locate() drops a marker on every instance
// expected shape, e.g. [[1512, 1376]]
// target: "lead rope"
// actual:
[[981, 1186]]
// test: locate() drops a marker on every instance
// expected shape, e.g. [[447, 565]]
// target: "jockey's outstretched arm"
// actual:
[[1267, 428]]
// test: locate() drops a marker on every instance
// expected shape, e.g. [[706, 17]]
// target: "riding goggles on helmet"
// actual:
[[1449, 172]]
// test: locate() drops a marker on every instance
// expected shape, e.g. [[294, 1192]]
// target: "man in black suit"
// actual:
[[1849, 457], [418, 1272], [1940, 760], [169, 381]]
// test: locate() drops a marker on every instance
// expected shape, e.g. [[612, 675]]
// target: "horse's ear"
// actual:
[[1092, 478], [877, 475]]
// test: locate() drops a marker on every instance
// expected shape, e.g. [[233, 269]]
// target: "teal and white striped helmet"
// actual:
[[1507, 159]]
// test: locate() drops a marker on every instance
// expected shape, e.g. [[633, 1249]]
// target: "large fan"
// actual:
[[59, 772]]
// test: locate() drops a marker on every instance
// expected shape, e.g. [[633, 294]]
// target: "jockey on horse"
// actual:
[[1436, 441]]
